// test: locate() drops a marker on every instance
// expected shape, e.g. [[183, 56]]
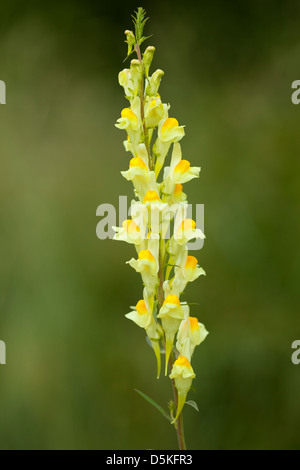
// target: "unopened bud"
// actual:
[[130, 39], [147, 58], [136, 75], [154, 82]]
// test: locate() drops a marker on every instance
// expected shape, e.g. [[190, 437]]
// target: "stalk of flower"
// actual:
[[164, 265]]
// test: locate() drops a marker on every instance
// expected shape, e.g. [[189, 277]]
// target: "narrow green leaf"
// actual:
[[144, 39], [153, 403], [193, 404]]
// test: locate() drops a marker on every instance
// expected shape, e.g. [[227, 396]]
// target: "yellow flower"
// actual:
[[180, 171], [142, 315], [126, 82], [186, 231], [154, 82], [139, 174], [154, 111], [171, 315], [130, 232], [130, 121], [183, 375], [147, 264], [169, 132], [191, 333], [186, 269]]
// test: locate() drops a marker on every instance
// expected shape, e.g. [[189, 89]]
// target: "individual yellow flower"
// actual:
[[139, 174], [130, 121], [191, 333], [169, 132], [142, 315], [171, 315], [147, 264], [182, 373], [187, 231], [154, 82], [186, 269], [126, 82], [181, 170], [154, 111], [130, 232]]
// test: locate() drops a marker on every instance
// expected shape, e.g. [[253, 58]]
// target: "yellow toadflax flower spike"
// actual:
[[158, 226]]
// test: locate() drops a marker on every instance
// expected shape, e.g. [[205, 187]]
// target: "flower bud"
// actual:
[[147, 59], [154, 82], [130, 40], [136, 75]]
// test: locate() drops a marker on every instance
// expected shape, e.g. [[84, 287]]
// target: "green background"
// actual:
[[73, 360]]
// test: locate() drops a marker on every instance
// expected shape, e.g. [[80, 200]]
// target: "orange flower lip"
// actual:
[[178, 189], [182, 361], [191, 262], [172, 299], [151, 196], [137, 162], [129, 114], [141, 307], [182, 167], [194, 323], [130, 226], [169, 124], [147, 255], [187, 224]]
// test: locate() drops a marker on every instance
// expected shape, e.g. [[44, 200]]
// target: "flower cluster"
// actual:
[[159, 208]]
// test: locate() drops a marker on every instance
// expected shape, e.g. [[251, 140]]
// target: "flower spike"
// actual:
[[158, 224]]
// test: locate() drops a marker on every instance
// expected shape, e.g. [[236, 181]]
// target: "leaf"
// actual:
[[153, 403], [144, 39], [193, 404]]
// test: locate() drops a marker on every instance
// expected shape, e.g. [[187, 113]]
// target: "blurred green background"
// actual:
[[73, 360]]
